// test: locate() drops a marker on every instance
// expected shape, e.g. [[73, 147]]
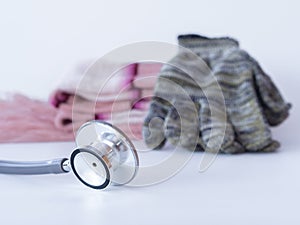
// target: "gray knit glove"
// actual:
[[252, 100]]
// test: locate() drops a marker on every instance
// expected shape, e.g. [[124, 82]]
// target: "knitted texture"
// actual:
[[252, 100]]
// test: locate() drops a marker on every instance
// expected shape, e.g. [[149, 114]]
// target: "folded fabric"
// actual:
[[125, 84], [146, 75], [71, 115], [143, 82], [119, 97], [125, 105], [62, 96], [97, 78], [84, 106], [142, 104], [148, 68], [24, 120]]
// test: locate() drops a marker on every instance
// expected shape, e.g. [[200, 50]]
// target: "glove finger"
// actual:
[[234, 148], [173, 126], [217, 134], [274, 107], [273, 146], [166, 89], [246, 116], [244, 109], [153, 127], [177, 88], [230, 145], [181, 125]]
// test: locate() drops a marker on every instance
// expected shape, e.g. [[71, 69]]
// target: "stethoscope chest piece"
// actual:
[[104, 155]]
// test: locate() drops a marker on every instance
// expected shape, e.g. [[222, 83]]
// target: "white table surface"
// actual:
[[240, 189]]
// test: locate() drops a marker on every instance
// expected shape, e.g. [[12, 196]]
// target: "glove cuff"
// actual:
[[204, 44]]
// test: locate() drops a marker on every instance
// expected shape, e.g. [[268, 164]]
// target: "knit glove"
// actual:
[[252, 100]]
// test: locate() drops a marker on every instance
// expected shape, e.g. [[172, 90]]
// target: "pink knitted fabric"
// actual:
[[123, 102], [126, 107], [25, 120]]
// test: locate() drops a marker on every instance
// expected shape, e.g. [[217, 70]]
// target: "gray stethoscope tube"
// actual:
[[104, 155], [33, 168]]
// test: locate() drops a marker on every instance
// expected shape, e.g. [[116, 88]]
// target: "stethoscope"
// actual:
[[104, 155]]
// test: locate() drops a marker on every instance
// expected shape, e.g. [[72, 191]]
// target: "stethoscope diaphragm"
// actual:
[[104, 155]]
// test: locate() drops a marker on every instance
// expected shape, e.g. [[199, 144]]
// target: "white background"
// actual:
[[40, 39]]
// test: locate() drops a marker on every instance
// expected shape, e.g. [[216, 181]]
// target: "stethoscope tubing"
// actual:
[[54, 166]]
